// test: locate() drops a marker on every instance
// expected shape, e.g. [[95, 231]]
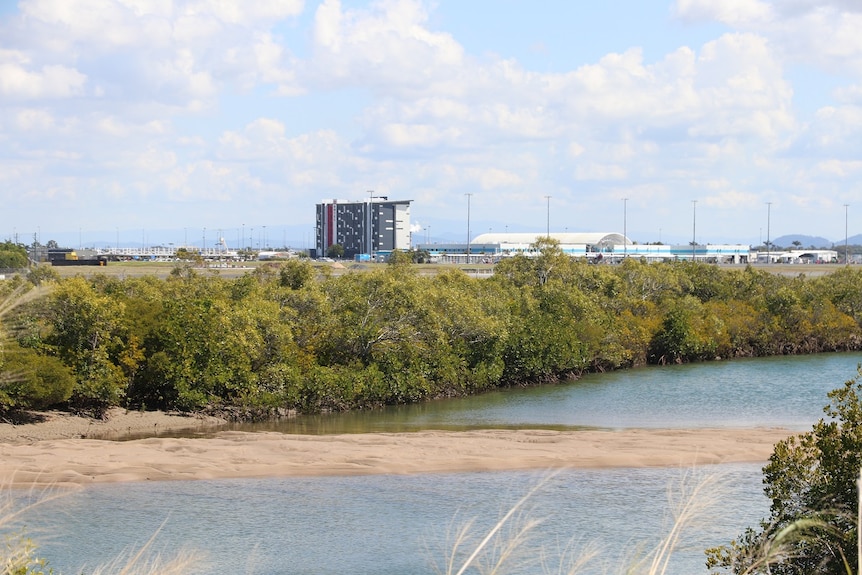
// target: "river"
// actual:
[[404, 525]]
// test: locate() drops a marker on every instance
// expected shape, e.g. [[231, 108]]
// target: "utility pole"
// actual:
[[625, 236], [371, 224], [693, 229], [768, 216], [846, 261], [468, 226]]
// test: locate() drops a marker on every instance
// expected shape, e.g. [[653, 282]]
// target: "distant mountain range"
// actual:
[[814, 241]]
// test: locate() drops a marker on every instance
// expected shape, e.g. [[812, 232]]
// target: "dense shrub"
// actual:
[[282, 337]]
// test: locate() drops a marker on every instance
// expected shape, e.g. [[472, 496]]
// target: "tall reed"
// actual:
[[499, 551], [18, 553]]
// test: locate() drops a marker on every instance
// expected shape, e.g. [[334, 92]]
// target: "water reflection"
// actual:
[[787, 392], [388, 524], [770, 392]]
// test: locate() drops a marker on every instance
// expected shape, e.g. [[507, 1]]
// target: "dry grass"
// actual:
[[501, 551], [142, 562], [511, 543], [18, 553]]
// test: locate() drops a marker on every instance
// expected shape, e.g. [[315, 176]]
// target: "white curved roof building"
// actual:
[[565, 238], [592, 245]]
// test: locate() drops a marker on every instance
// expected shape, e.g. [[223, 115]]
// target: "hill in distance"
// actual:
[[806, 241]]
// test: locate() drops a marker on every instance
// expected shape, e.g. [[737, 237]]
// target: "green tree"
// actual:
[[335, 251], [295, 274], [87, 332], [32, 381], [13, 256], [399, 258], [686, 334], [811, 479], [42, 273], [548, 263]]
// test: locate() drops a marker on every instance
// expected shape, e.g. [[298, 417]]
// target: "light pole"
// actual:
[[846, 261], [768, 217], [468, 226], [693, 229], [625, 235], [548, 218], [370, 225]]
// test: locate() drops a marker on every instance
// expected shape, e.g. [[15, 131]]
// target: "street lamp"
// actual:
[[548, 219], [370, 225], [468, 226], [625, 235], [693, 229], [846, 261], [768, 216]]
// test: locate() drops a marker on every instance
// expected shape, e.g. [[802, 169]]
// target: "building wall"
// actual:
[[347, 224]]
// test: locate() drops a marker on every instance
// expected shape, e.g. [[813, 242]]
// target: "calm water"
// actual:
[[402, 525], [388, 525], [777, 392]]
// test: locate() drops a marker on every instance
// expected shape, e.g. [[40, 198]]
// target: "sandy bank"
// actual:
[[118, 422], [237, 454]]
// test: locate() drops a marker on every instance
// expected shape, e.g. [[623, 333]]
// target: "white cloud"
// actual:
[[388, 46], [34, 120], [575, 149], [595, 171], [156, 160], [418, 135], [19, 80], [840, 168], [732, 199], [823, 33], [493, 178], [243, 12], [733, 12], [177, 101], [210, 181], [834, 130]]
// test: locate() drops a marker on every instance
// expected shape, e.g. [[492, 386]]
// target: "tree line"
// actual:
[[288, 336]]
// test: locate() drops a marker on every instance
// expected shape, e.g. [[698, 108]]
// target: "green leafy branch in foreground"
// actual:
[[812, 480]]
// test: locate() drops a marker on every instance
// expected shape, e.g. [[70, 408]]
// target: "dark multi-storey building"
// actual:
[[363, 227]]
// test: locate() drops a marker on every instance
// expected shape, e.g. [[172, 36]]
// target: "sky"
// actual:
[[183, 121]]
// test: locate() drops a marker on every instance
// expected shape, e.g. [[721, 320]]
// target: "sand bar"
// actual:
[[75, 459]]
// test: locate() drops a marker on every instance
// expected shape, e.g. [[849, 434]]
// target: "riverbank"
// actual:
[[73, 459], [118, 423]]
